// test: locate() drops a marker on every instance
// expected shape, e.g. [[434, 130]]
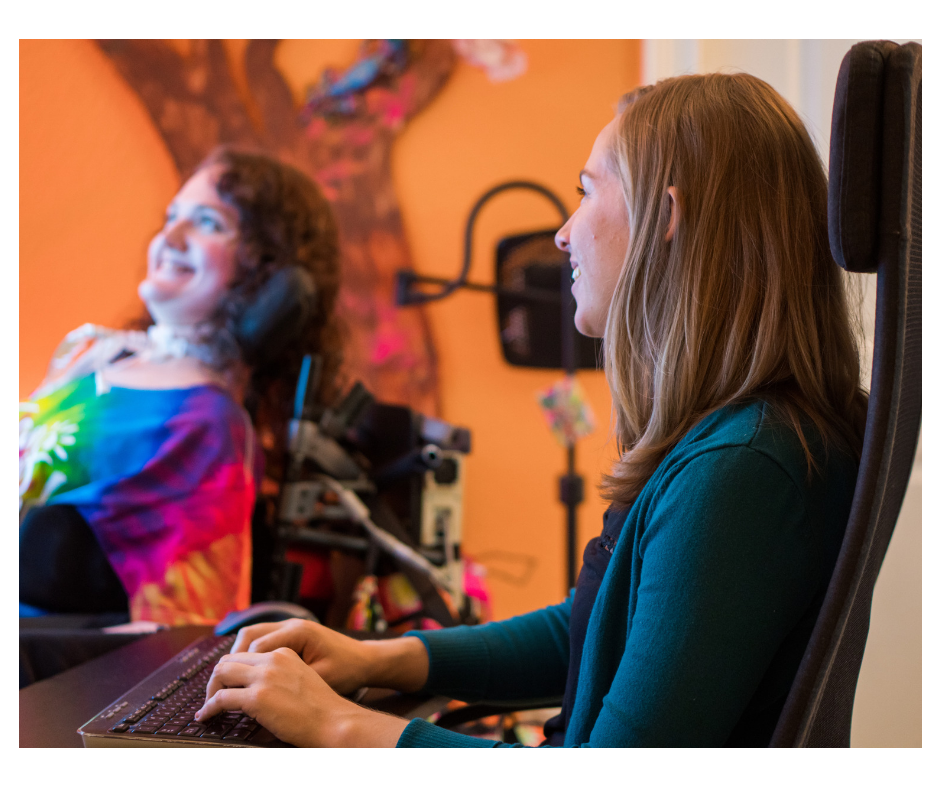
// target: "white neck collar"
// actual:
[[165, 342]]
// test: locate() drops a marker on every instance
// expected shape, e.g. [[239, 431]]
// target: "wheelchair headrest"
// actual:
[[278, 314]]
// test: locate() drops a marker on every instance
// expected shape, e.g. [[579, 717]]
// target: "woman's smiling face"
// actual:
[[191, 260], [597, 236]]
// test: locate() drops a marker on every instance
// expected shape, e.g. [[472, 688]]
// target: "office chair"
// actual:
[[874, 227]]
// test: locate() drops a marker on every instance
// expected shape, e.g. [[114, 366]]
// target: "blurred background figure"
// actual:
[[148, 433]]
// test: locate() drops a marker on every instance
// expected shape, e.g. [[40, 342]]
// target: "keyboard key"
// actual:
[[171, 730], [139, 712], [119, 728], [192, 730], [144, 728], [238, 734]]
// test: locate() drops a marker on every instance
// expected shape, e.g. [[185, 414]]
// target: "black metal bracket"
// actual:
[[405, 294]]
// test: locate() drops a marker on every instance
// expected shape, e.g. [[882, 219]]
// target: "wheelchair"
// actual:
[[404, 468]]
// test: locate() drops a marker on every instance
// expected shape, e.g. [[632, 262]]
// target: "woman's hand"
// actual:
[[343, 663], [288, 698]]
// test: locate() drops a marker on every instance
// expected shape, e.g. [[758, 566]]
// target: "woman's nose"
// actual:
[[562, 237], [175, 234]]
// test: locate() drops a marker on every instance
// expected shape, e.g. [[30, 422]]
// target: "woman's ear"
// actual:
[[673, 212]]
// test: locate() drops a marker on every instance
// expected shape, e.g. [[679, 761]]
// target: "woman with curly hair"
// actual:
[[147, 433]]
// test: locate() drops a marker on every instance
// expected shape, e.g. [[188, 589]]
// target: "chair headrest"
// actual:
[[873, 133]]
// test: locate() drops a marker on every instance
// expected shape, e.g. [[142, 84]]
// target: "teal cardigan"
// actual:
[[705, 609]]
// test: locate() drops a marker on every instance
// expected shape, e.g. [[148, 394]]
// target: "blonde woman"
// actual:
[[699, 253]]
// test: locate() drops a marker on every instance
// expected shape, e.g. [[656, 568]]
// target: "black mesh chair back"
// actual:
[[874, 227]]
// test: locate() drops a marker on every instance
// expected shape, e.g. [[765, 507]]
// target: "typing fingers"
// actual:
[[248, 635], [231, 671], [228, 699], [285, 637], [280, 692], [298, 635]]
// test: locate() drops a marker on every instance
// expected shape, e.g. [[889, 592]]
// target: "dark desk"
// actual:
[[51, 711]]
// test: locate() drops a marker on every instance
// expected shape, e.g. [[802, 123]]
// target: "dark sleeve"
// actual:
[[728, 566], [522, 658], [727, 569]]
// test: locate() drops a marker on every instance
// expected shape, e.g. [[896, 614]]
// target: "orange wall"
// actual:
[[95, 178]]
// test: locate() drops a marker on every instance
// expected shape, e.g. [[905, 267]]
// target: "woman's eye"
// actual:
[[210, 224], [580, 191]]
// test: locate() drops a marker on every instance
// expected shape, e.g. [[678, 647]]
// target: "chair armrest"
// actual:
[[487, 708]]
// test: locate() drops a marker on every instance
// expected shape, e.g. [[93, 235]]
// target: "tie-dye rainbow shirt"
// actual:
[[165, 479]]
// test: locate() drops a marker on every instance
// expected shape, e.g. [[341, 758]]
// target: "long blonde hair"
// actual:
[[745, 301]]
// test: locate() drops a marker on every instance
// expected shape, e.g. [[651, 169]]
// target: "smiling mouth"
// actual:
[[174, 268], [576, 273]]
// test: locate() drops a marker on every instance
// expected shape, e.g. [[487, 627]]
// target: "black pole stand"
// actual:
[[571, 487]]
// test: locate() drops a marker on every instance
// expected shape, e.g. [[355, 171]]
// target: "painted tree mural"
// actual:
[[342, 137]]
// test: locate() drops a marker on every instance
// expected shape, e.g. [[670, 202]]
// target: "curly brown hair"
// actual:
[[284, 220]]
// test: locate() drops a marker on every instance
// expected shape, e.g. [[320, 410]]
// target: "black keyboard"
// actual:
[[163, 706]]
